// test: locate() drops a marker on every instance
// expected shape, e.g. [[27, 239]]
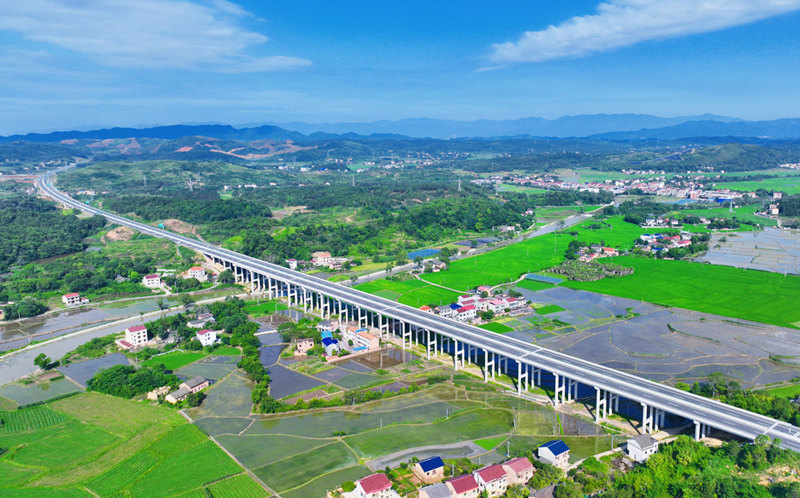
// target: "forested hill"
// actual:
[[31, 228]]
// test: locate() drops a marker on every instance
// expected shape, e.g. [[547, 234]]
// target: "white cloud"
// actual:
[[146, 33], [619, 23]]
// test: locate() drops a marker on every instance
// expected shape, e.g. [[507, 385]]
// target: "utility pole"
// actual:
[[354, 180]]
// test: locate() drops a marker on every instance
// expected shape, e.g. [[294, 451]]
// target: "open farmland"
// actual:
[[332, 445], [721, 290], [109, 446], [411, 292]]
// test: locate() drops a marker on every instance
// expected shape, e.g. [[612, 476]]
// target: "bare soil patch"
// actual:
[[119, 233]]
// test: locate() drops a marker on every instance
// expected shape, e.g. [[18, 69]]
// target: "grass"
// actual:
[[255, 309], [226, 351], [789, 185], [490, 443], [744, 213], [174, 360], [723, 290], [534, 285], [789, 392], [411, 292], [550, 308], [496, 327]]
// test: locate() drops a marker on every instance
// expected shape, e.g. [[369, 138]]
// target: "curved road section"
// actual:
[[692, 407]]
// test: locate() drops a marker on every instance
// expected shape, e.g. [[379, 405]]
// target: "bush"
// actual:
[[348, 486]]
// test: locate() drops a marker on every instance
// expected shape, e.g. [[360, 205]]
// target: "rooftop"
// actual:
[[463, 484], [492, 473], [431, 463], [137, 328], [519, 464], [557, 446], [375, 483], [194, 382]]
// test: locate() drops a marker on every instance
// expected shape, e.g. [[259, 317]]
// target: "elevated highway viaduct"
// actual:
[[469, 344]]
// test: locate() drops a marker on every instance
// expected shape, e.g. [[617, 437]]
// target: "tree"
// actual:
[[42, 361], [487, 315], [518, 491], [186, 300], [418, 261], [195, 399], [348, 486], [226, 277]]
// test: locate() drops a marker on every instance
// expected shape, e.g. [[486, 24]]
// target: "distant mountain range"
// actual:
[[567, 126], [622, 127]]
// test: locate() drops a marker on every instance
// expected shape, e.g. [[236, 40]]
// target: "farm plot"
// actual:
[[295, 470], [465, 426], [38, 392], [82, 371], [83, 443], [409, 292], [174, 359], [770, 297]]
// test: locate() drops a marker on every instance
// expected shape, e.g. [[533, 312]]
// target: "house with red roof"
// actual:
[[71, 299], [492, 479], [197, 272], [519, 470], [207, 337], [374, 486], [151, 281], [466, 313], [135, 336], [426, 309], [464, 487]]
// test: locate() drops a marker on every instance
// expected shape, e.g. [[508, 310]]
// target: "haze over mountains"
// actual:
[[596, 126]]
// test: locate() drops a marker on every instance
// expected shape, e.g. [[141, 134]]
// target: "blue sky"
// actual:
[[88, 63]]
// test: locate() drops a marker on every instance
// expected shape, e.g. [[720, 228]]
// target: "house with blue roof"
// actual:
[[554, 452], [331, 346], [429, 470], [326, 334]]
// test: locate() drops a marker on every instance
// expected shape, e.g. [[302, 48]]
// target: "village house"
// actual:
[[520, 470], [641, 447], [292, 263], [193, 385], [73, 299], [366, 340], [426, 309], [151, 281], [302, 346], [464, 297], [157, 393], [484, 288], [201, 321], [429, 470], [438, 266], [374, 486], [464, 487], [207, 337], [439, 490], [445, 311], [135, 336], [554, 452], [466, 313], [492, 479], [197, 272]]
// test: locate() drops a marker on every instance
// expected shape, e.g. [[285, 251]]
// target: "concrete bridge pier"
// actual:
[[429, 343], [701, 430], [521, 376], [558, 395], [647, 419]]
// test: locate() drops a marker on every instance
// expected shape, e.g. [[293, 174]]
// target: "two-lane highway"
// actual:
[[711, 412]]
